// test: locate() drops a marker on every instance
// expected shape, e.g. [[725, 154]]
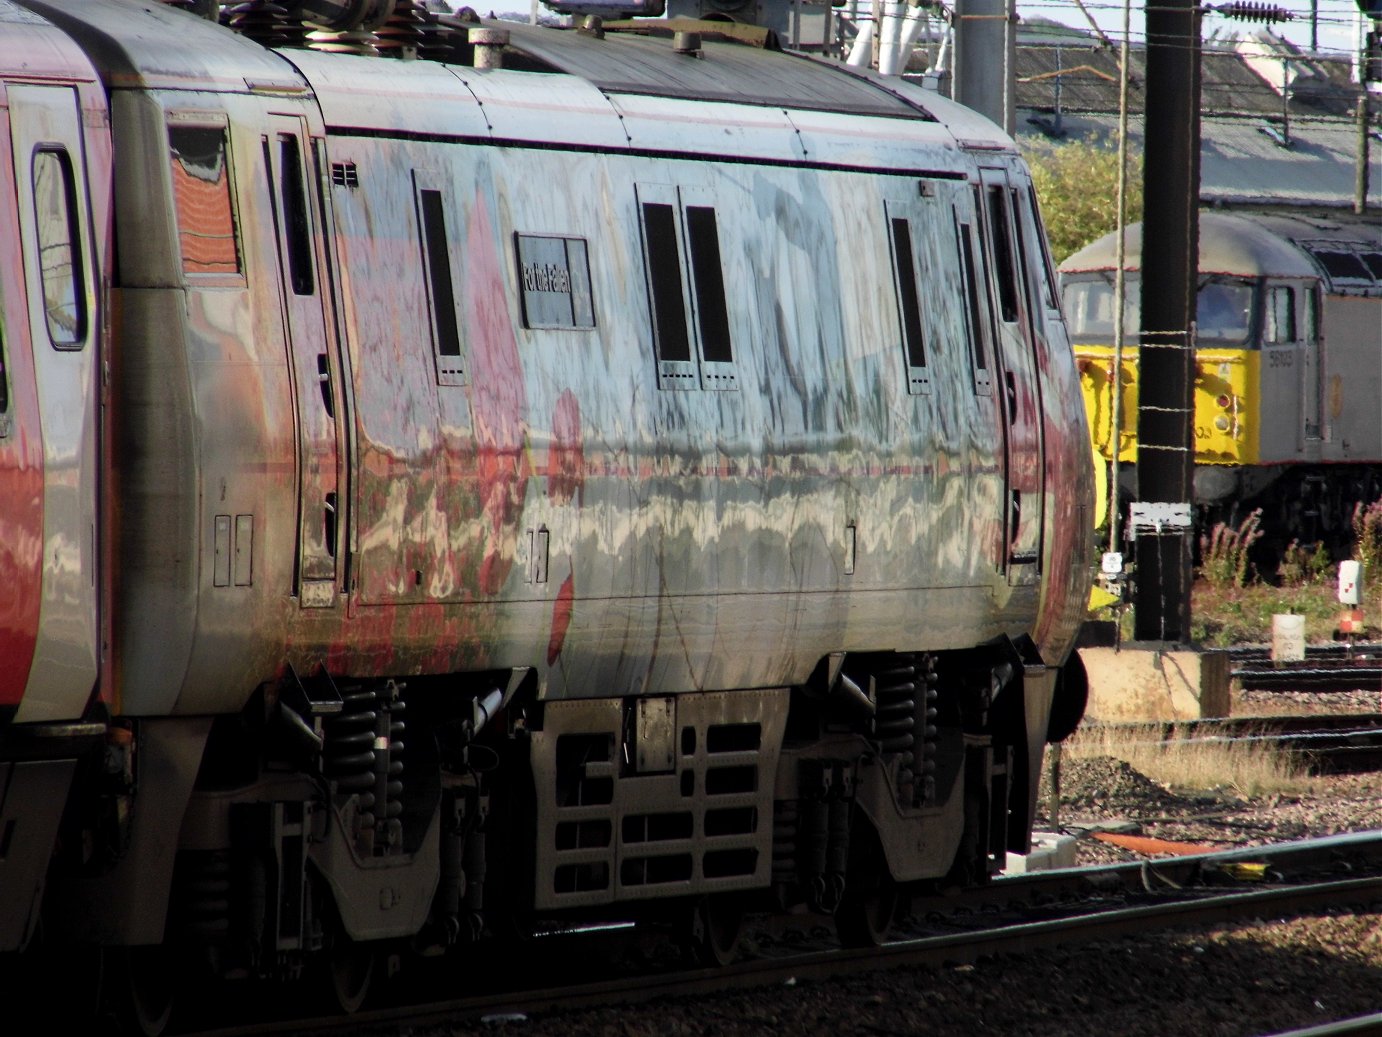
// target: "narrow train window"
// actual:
[[554, 282], [664, 270], [201, 196], [59, 245], [4, 391], [974, 309], [1281, 315], [708, 278], [908, 302], [1048, 268], [296, 226], [437, 258], [1000, 235], [1028, 255]]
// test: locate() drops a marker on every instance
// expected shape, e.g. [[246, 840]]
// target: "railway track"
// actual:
[[1012, 916], [1335, 667], [1334, 743]]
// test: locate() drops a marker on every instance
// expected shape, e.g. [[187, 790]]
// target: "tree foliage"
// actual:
[[1077, 185]]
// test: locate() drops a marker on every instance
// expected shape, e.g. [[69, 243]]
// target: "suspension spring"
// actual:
[[204, 884], [894, 725], [363, 756], [786, 817], [925, 791]]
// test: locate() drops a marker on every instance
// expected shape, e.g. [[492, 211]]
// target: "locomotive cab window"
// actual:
[[908, 300], [1223, 311], [59, 245], [207, 238], [685, 272]]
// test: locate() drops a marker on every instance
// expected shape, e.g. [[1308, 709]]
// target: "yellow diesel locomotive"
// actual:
[[1287, 368]]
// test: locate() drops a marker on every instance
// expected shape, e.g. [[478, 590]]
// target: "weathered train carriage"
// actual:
[[690, 442], [54, 220], [1289, 349]]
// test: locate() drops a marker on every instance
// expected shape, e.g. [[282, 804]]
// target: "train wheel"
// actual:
[[870, 899], [350, 973], [717, 923], [147, 978]]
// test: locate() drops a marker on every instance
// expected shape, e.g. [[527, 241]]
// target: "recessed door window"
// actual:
[[59, 245]]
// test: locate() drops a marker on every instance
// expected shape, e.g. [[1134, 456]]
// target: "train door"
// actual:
[[1311, 380], [1016, 377], [60, 272], [293, 186]]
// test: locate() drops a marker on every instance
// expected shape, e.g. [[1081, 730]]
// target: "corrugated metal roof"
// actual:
[[1085, 79], [1242, 166]]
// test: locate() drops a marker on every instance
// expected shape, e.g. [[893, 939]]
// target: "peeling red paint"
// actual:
[[561, 617]]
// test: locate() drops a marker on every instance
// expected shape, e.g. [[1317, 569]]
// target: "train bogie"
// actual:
[[530, 495]]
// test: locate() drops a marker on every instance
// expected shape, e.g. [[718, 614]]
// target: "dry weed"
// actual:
[[1245, 769]]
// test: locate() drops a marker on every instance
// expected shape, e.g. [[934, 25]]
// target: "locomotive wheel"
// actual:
[[349, 973], [870, 899], [717, 923], [148, 980]]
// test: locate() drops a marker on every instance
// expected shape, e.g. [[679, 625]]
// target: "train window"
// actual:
[[1223, 311], [437, 258], [295, 219], [59, 244], [1025, 269], [201, 196], [1280, 324], [1089, 306], [664, 271], [708, 278], [908, 302], [1342, 264], [975, 309], [1373, 261], [554, 282], [1312, 313], [4, 391], [1001, 237], [1048, 268]]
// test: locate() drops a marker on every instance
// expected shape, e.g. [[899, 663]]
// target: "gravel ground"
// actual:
[[1234, 981]]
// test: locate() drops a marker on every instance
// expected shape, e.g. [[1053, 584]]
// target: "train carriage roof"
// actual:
[[632, 63], [1344, 250], [137, 44]]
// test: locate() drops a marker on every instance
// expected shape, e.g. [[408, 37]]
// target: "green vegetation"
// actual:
[[1367, 536], [1224, 552], [1077, 186], [1224, 616]]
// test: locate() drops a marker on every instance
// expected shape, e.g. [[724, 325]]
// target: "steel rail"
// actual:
[[923, 952], [1358, 1026]]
